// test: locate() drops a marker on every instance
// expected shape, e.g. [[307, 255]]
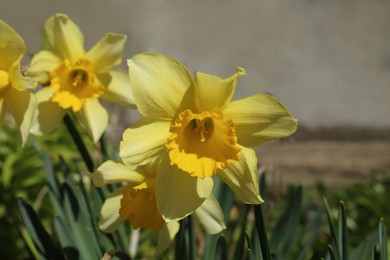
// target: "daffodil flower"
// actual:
[[14, 94], [136, 202], [199, 132], [77, 79]]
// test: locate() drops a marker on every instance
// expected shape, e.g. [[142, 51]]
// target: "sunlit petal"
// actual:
[[243, 177], [49, 114], [65, 37], [179, 194], [166, 236], [41, 65], [110, 219], [143, 141], [117, 88], [18, 81], [210, 215], [12, 46], [158, 84], [107, 52], [260, 118], [113, 172], [22, 105], [94, 118], [212, 92]]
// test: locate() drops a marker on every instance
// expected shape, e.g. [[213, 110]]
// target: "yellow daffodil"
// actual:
[[14, 94], [198, 131], [136, 202], [76, 79]]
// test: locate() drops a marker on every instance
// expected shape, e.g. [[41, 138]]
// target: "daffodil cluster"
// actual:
[[70, 79], [191, 132]]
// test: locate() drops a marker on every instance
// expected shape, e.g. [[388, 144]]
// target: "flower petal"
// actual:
[[260, 118], [117, 88], [48, 115], [22, 105], [166, 236], [18, 81], [65, 37], [213, 92], [179, 194], [210, 215], [113, 172], [110, 219], [243, 177], [107, 52], [41, 65], [94, 118], [143, 140], [158, 83], [12, 46]]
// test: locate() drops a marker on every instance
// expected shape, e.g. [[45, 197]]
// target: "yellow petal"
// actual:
[[143, 141], [22, 105], [65, 37], [18, 81], [166, 236], [94, 118], [158, 83], [213, 92], [12, 46], [179, 194], [210, 215], [117, 88], [41, 65], [107, 52], [243, 177], [110, 219], [48, 115], [113, 172], [260, 118]]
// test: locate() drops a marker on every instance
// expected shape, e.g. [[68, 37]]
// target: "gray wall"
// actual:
[[327, 60]]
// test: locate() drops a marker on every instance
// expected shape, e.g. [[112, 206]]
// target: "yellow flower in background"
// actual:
[[75, 79], [136, 202], [198, 131], [14, 94]]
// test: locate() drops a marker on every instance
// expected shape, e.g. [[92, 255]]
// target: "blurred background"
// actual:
[[327, 61]]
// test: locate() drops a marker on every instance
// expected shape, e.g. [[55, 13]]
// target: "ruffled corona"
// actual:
[[199, 144], [74, 84], [138, 205]]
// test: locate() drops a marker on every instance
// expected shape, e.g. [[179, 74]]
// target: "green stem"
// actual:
[[79, 142]]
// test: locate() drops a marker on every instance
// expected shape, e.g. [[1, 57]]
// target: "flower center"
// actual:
[[200, 144], [139, 206], [74, 84]]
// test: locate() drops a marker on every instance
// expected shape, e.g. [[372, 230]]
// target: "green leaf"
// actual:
[[314, 227], [343, 232], [283, 235], [42, 240], [383, 239], [261, 231], [363, 250], [221, 250], [331, 227], [240, 247], [66, 239]]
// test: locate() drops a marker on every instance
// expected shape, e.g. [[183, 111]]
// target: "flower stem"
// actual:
[[79, 142]]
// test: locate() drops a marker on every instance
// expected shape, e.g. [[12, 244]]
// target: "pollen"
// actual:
[[74, 84], [201, 143]]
